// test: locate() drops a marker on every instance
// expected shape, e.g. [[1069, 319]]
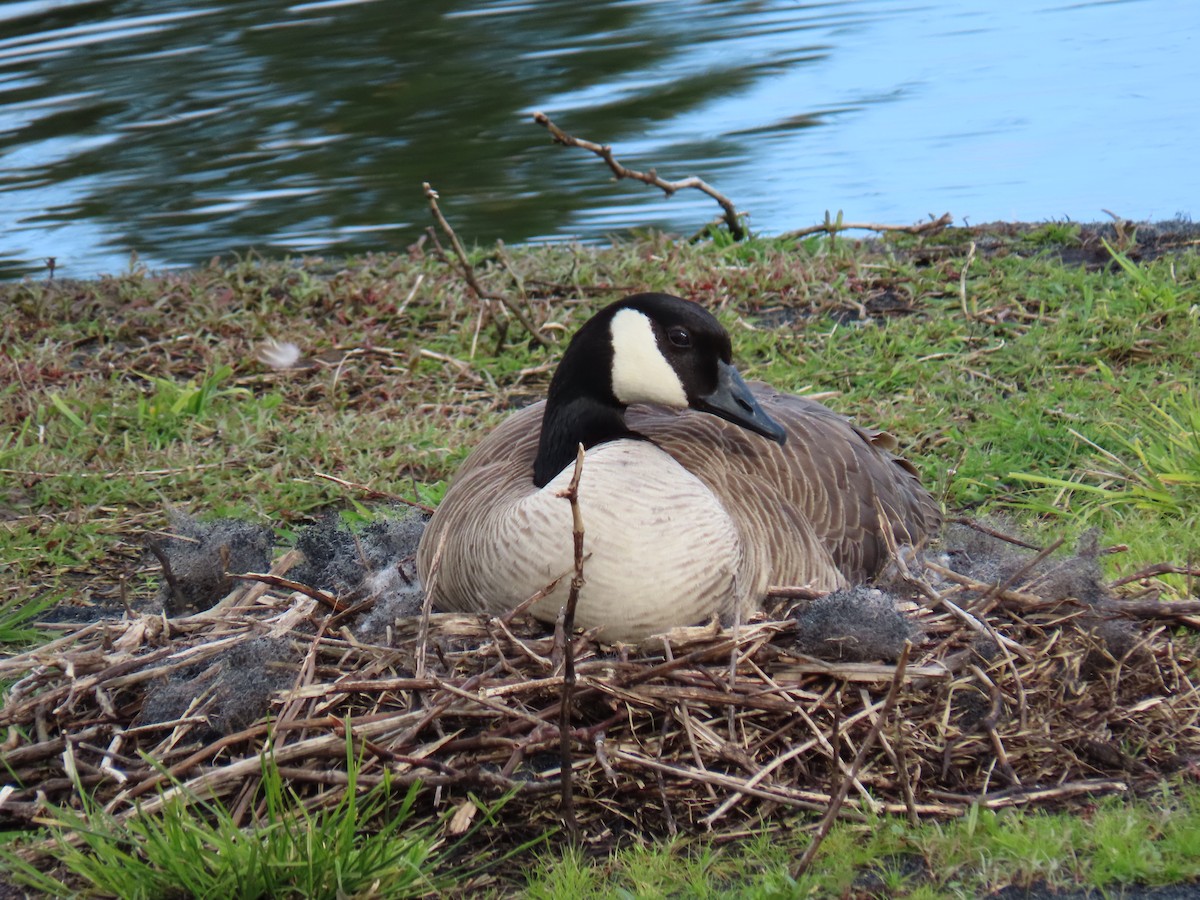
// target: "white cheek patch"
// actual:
[[640, 373]]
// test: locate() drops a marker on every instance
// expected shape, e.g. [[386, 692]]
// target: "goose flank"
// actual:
[[698, 491]]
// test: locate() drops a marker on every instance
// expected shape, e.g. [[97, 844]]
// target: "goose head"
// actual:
[[647, 348]]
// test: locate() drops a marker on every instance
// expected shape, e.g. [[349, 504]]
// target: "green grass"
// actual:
[[1155, 841], [1063, 394], [367, 844]]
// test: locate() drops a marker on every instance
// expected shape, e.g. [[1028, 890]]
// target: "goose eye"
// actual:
[[679, 336]]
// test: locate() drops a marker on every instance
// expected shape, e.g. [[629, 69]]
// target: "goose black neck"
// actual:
[[580, 420], [580, 405]]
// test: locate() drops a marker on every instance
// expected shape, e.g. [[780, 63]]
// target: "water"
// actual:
[[178, 130]]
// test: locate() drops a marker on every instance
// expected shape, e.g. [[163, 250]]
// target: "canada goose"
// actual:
[[691, 506]]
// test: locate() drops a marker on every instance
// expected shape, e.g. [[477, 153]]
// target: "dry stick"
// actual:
[[981, 625], [1008, 646], [533, 598], [839, 797], [512, 712], [1058, 792], [792, 752], [218, 777], [566, 772], [992, 532], [685, 718], [1027, 568], [292, 708], [324, 597], [734, 654], [1142, 609], [47, 653], [910, 797], [972, 312], [60, 696], [239, 599], [1019, 597], [1154, 609], [991, 720], [832, 226], [604, 151], [375, 494], [780, 793], [422, 649], [896, 755], [672, 828], [168, 576], [468, 271], [1155, 570], [793, 592], [516, 643]]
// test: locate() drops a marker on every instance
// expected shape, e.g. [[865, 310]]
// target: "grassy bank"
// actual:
[[1038, 373]]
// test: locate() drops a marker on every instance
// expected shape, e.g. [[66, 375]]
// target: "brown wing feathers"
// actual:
[[830, 475]]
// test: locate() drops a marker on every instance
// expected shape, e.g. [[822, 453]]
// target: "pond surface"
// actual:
[[179, 130]]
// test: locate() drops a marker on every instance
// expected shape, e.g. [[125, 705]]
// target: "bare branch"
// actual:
[[276, 581], [1156, 570], [567, 768], [972, 311], [731, 216], [1153, 609], [422, 651], [375, 493], [168, 576], [468, 271], [976, 525], [834, 225], [839, 796]]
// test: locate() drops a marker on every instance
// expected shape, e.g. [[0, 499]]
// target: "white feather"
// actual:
[[278, 355]]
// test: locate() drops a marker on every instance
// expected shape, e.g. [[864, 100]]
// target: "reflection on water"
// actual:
[[180, 130]]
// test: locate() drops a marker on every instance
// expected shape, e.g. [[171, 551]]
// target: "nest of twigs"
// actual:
[[1004, 697]]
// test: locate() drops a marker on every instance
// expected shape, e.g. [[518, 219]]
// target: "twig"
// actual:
[[567, 770], [972, 312], [734, 654], [991, 720], [779, 793], [1153, 609], [833, 226], [974, 622], [422, 649], [1156, 570], [533, 598], [468, 271], [819, 740], [793, 592], [168, 576], [241, 597], [412, 293], [991, 532], [375, 493], [323, 597], [1017, 797], [1021, 598], [731, 217], [839, 796], [910, 797], [1029, 566]]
